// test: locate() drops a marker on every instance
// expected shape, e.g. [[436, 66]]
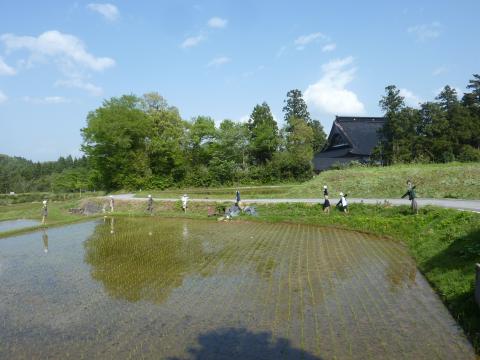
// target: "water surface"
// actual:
[[8, 225], [133, 288]]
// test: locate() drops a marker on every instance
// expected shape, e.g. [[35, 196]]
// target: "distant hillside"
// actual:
[[451, 180]]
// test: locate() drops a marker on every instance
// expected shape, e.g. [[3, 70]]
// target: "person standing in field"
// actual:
[[184, 202], [411, 196], [44, 212], [326, 205], [342, 203], [325, 190], [112, 203], [237, 197], [150, 204]]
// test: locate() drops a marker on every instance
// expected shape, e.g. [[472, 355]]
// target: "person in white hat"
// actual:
[[342, 203], [184, 202], [150, 204], [44, 211], [112, 203]]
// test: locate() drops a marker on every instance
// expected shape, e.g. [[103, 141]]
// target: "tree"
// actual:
[[392, 102], [295, 107], [319, 138], [115, 142], [263, 134], [200, 139]]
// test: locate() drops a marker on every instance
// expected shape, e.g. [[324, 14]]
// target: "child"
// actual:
[[112, 203], [326, 205], [342, 203], [44, 212], [184, 202]]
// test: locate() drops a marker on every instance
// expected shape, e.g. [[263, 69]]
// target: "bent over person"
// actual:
[[411, 196]]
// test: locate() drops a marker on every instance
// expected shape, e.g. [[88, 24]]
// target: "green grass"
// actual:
[[452, 180], [251, 192]]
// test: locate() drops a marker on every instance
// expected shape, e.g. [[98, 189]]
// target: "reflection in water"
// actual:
[[162, 288], [45, 241]]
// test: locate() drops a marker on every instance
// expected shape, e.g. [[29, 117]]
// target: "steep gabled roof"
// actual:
[[361, 133]]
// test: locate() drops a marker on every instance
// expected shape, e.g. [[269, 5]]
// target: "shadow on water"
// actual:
[[239, 343]]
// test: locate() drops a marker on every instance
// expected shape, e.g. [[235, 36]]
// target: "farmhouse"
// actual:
[[351, 138]]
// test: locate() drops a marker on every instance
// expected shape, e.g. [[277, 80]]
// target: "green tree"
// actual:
[[295, 108], [115, 142], [319, 138], [264, 138]]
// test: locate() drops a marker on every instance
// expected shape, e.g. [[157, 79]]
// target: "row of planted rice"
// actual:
[[197, 289]]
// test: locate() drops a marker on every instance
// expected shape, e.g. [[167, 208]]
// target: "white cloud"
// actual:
[[410, 98], [79, 83], [57, 46], [219, 61], [281, 51], [192, 41], [330, 95], [3, 97], [46, 100], [244, 119], [425, 32], [5, 69], [216, 22], [108, 11], [329, 47], [304, 40], [439, 70]]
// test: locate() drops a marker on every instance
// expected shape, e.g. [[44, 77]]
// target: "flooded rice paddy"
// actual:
[[8, 225], [184, 289]]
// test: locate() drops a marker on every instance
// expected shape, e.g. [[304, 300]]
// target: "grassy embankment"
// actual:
[[444, 243], [452, 180]]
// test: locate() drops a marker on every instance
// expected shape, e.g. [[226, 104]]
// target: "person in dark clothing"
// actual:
[[150, 205], [326, 205], [412, 195], [325, 190], [237, 197]]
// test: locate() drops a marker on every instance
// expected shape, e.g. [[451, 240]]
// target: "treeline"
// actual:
[[136, 142], [21, 175], [443, 130]]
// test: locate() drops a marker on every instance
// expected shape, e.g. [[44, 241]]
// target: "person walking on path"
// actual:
[[112, 203], [44, 212], [237, 197], [411, 196], [325, 190], [184, 202], [150, 205], [342, 203]]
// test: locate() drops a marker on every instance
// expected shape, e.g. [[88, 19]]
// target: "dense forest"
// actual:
[[133, 142], [64, 175], [443, 130]]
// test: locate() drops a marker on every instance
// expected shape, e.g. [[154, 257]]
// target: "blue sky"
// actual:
[[60, 59]]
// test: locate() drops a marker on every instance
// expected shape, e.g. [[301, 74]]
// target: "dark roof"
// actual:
[[360, 132], [350, 138]]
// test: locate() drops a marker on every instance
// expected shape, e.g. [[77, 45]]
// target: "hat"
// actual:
[[185, 195], [324, 186], [149, 195], [111, 196], [341, 194], [44, 202]]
